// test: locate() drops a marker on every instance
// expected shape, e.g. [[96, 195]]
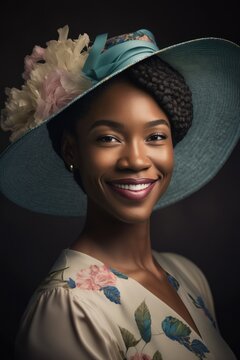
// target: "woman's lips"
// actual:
[[133, 194]]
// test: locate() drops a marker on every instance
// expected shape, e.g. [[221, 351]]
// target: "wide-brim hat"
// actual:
[[34, 176]]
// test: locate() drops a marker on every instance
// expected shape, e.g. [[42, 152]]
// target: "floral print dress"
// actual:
[[85, 310]]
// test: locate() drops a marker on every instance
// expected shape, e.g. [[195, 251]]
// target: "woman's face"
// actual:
[[125, 135]]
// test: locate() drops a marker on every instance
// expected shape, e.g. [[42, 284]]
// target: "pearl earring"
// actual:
[[71, 167]]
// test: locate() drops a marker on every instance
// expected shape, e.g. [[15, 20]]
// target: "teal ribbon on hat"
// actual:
[[100, 65]]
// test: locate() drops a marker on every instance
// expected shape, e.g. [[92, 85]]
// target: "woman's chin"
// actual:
[[131, 215], [126, 208]]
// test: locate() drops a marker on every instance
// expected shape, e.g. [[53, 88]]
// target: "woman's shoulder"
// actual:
[[189, 272], [184, 268], [55, 285], [181, 264], [57, 311], [56, 275]]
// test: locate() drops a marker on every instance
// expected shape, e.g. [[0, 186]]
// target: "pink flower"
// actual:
[[31, 60], [138, 356], [95, 277], [53, 94], [53, 77]]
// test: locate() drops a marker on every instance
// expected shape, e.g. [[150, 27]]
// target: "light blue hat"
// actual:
[[33, 176]]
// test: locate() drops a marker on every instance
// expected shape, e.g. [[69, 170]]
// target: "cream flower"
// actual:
[[53, 77]]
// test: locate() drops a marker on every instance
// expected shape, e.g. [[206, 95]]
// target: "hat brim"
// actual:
[[33, 176]]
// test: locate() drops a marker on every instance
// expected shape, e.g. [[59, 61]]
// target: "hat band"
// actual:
[[99, 65]]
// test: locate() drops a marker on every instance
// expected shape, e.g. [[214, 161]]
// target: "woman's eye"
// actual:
[[157, 137], [110, 139], [106, 138]]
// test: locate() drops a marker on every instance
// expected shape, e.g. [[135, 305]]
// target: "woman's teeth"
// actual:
[[132, 186]]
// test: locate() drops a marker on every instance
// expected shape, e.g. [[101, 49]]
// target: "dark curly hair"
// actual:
[[169, 89], [155, 76]]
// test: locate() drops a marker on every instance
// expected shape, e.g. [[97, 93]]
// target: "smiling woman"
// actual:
[[132, 152], [115, 154], [145, 98]]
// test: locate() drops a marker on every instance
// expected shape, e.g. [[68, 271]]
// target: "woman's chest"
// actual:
[[157, 320], [167, 293]]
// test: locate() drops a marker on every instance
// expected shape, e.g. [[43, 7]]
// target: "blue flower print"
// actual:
[[175, 329], [173, 281], [71, 283], [199, 303], [112, 293], [118, 273], [178, 331], [199, 348]]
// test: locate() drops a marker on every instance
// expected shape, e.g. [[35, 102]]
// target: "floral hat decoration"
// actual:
[[33, 176]]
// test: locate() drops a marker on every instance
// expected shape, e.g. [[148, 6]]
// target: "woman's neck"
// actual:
[[123, 245]]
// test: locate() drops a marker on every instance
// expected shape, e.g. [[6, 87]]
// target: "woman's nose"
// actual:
[[134, 156]]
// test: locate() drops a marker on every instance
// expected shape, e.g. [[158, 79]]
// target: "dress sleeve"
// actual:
[[189, 267], [57, 324]]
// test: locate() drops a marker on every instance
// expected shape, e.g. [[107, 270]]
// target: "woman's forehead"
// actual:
[[129, 118], [123, 95], [121, 101]]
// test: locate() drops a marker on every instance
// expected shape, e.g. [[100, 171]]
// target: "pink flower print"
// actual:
[[139, 356], [102, 278], [95, 277]]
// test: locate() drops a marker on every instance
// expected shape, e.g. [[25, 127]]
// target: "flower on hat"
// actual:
[[53, 77]]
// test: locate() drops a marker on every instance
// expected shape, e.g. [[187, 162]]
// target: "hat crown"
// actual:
[[107, 56], [141, 34]]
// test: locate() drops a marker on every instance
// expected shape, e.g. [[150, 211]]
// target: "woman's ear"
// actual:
[[68, 148]]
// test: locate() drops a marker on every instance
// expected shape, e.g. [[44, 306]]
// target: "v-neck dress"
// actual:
[[85, 310]]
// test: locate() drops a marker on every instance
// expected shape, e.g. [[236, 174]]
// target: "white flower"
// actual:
[[53, 77]]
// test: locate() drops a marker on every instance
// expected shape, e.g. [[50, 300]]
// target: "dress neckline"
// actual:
[[182, 293]]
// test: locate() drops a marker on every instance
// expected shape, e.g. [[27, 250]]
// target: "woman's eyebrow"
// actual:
[[120, 126]]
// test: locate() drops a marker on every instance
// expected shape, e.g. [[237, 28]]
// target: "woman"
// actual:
[[132, 145]]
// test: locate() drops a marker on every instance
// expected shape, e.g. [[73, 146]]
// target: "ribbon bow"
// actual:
[[99, 65]]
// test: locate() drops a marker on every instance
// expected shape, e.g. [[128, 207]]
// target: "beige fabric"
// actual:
[[100, 318]]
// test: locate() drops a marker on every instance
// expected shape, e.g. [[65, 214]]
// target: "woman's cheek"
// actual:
[[103, 159], [163, 159], [99, 164], [167, 158]]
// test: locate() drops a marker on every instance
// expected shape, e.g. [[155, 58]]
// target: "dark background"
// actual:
[[204, 227]]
